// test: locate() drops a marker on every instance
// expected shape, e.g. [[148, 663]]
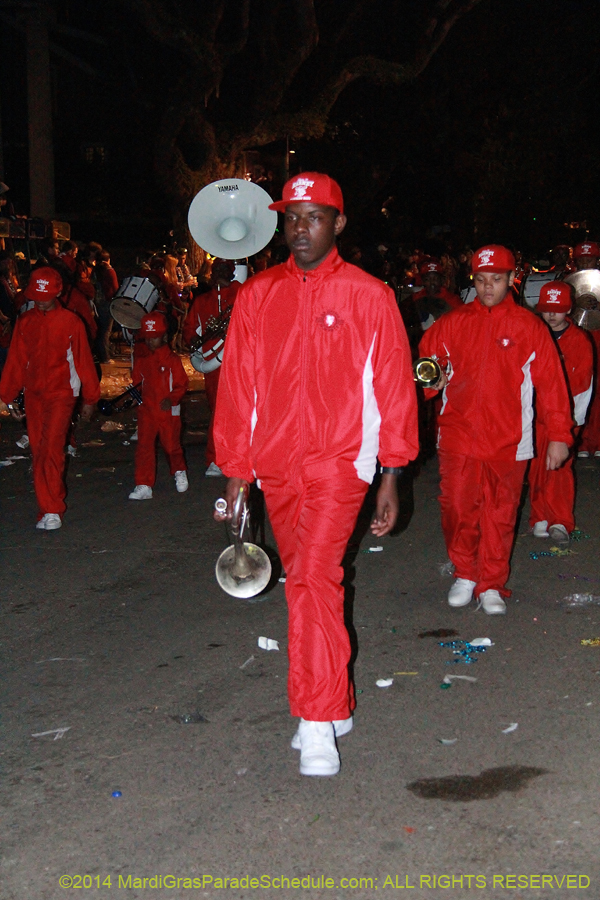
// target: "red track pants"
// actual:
[[211, 384], [48, 423], [312, 523], [479, 502], [168, 430], [551, 493]]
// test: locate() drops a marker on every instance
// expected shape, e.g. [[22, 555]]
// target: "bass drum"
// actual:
[[136, 297], [532, 285]]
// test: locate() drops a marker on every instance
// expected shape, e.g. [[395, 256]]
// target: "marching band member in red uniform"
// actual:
[[434, 299], [552, 491], [208, 309], [587, 256], [163, 386], [50, 359], [495, 354], [316, 384]]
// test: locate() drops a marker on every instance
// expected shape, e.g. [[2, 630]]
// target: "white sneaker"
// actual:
[[181, 481], [461, 592], [492, 603], [71, 450], [53, 521], [318, 753], [213, 471], [134, 436], [583, 454], [23, 442], [540, 529], [597, 453], [141, 492], [340, 728], [49, 522], [559, 534]]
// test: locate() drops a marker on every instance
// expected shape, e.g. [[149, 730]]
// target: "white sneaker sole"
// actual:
[[320, 767], [340, 727]]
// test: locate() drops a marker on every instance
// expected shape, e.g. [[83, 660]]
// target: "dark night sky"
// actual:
[[498, 133]]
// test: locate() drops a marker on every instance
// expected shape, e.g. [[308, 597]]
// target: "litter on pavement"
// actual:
[[266, 643], [384, 682], [512, 727], [57, 732], [580, 601]]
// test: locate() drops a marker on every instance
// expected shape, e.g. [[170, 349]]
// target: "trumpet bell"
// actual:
[[243, 575], [427, 371]]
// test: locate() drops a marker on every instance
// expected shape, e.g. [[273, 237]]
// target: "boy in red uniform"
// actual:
[[50, 359], [206, 310], [495, 354], [552, 491], [163, 385], [316, 385]]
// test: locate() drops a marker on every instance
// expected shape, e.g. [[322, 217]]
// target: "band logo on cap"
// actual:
[[153, 325], [300, 187], [41, 286], [553, 296]]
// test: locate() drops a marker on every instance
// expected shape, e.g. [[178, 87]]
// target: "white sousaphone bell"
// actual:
[[231, 219]]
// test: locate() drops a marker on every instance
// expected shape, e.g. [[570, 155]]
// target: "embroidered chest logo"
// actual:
[[329, 321], [505, 342]]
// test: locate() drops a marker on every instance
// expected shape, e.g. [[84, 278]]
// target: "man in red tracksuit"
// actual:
[[50, 359], [316, 384], [495, 354], [163, 385], [207, 310], [552, 491]]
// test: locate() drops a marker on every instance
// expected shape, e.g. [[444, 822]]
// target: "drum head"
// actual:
[[127, 313]]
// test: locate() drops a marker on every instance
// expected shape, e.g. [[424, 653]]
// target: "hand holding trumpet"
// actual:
[[232, 491]]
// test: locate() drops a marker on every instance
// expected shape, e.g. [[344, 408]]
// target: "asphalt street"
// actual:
[[145, 735]]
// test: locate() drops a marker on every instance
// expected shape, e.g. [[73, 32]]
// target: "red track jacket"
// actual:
[[495, 359], [575, 348], [316, 378], [50, 356], [162, 375]]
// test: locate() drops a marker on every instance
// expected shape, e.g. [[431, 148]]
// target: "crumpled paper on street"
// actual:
[[266, 643]]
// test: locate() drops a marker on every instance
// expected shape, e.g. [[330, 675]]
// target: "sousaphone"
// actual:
[[586, 293]]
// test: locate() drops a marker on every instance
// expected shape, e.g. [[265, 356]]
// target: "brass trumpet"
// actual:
[[427, 371], [243, 569]]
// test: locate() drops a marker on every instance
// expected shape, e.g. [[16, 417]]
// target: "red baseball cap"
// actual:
[[153, 325], [555, 297], [310, 187], [430, 265], [493, 258], [586, 248], [44, 284]]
